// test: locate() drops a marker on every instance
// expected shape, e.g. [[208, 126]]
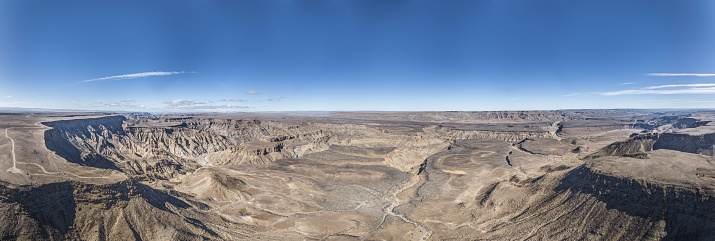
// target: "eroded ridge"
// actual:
[[556, 175]]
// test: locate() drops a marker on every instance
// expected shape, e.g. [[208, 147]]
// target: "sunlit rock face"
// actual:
[[556, 175]]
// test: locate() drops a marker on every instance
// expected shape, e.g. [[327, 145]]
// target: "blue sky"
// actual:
[[308, 55]]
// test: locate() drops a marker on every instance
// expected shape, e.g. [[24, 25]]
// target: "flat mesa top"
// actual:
[[708, 128]]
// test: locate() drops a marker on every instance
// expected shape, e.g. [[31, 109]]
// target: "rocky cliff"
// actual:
[[79, 211], [268, 177], [459, 116], [683, 213], [165, 148], [576, 204], [640, 145]]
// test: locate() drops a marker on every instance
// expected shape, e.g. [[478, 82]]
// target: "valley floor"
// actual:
[[519, 175]]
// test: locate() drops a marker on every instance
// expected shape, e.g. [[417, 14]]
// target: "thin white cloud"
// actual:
[[276, 99], [199, 105], [680, 101], [7, 97], [182, 103], [627, 83], [251, 92], [213, 107], [572, 94], [672, 89], [680, 74], [679, 85], [136, 75], [686, 91], [234, 100], [130, 100]]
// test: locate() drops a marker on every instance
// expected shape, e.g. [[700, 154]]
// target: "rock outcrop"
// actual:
[[640, 145], [165, 148], [507, 175], [683, 213], [79, 211]]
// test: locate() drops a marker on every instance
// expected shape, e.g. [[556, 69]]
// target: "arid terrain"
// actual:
[[509, 175]]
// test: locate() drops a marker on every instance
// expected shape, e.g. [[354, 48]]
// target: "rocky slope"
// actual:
[[458, 116], [79, 211], [640, 145], [174, 146], [678, 212], [572, 204], [362, 176]]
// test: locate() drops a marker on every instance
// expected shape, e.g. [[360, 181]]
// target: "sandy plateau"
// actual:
[[508, 175]]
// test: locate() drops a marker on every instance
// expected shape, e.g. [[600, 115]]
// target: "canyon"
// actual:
[[497, 175]]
